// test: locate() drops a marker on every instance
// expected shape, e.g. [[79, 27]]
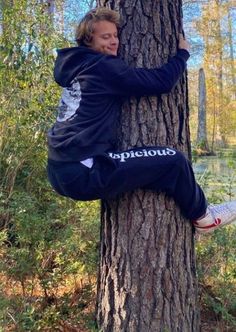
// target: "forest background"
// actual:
[[49, 244]]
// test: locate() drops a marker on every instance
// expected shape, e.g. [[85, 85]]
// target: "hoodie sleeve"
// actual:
[[128, 81]]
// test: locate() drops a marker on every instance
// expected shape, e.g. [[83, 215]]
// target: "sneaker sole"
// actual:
[[211, 228]]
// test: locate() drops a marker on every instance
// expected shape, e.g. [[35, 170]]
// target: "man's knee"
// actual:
[[182, 160]]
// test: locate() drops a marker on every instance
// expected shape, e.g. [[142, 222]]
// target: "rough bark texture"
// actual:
[[147, 278], [202, 131]]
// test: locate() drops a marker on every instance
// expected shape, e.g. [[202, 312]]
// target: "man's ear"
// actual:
[[88, 41]]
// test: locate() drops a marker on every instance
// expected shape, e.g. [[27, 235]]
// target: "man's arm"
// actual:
[[130, 81]]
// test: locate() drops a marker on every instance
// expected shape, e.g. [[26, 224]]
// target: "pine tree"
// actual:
[[147, 276]]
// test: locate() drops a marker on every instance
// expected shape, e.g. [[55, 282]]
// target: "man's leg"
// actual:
[[165, 169], [158, 169]]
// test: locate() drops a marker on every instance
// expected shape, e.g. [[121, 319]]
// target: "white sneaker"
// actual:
[[216, 216]]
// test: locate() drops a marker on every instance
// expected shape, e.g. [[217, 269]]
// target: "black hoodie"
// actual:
[[94, 87]]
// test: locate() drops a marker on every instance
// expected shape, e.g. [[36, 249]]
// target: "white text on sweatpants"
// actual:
[[142, 153]]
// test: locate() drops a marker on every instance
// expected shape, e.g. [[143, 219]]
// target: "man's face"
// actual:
[[105, 39]]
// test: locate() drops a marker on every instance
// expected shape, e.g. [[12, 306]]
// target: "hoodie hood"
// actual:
[[71, 61]]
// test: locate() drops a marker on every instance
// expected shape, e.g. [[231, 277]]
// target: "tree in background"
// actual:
[[147, 278], [202, 129], [229, 8], [213, 27]]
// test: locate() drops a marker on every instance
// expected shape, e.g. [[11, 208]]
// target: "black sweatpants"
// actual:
[[159, 169]]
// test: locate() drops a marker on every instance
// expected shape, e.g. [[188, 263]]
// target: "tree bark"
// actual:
[[219, 50], [147, 277], [231, 47], [202, 129]]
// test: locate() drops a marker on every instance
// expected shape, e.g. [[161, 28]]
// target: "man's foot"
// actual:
[[216, 216]]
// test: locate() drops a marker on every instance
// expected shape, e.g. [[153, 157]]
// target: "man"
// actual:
[[84, 163]]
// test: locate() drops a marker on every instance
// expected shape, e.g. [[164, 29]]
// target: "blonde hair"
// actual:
[[84, 31]]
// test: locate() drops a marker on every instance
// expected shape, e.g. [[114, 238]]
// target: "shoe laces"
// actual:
[[219, 209]]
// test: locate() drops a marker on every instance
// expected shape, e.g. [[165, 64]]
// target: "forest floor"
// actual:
[[77, 312], [210, 321]]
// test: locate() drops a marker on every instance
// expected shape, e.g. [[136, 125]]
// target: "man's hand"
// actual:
[[183, 44]]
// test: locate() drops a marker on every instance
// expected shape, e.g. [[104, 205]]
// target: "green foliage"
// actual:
[[214, 25], [216, 252], [47, 243], [217, 272]]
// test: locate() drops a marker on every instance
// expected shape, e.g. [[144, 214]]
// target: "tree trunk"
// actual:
[[231, 47], [147, 279], [90, 3], [4, 6], [60, 16], [223, 123], [51, 7], [213, 137], [202, 131], [47, 8]]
